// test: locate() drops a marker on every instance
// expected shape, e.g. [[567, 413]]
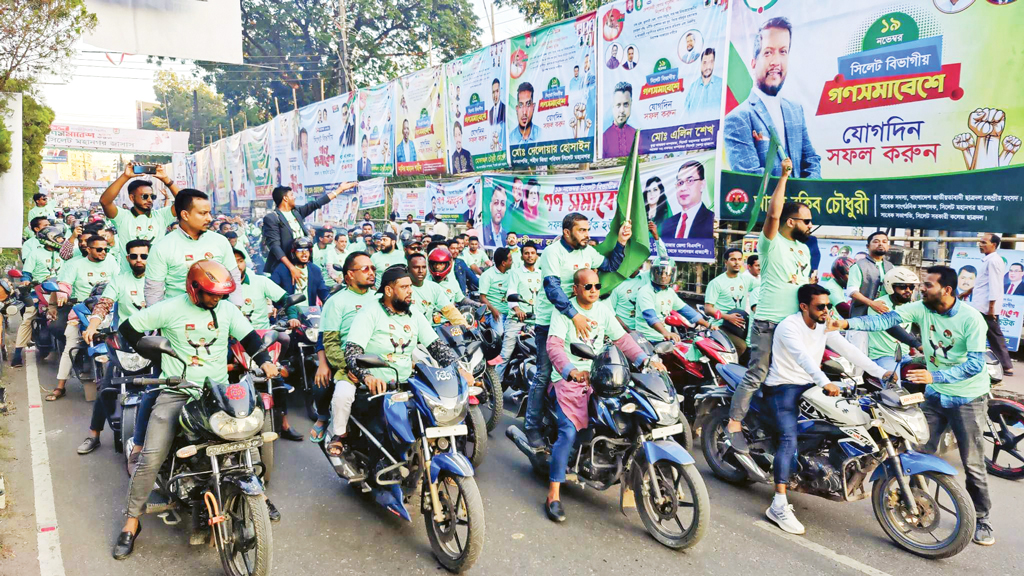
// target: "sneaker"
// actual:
[[785, 518], [983, 534], [738, 442], [88, 445]]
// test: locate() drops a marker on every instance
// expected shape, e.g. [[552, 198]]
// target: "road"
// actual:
[[328, 529]]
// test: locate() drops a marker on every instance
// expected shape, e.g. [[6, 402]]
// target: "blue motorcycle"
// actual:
[[408, 444], [634, 416]]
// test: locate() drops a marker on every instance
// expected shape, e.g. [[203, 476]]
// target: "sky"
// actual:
[[104, 87]]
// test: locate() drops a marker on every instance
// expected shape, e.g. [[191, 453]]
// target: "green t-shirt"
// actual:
[[256, 290], [526, 284], [28, 247], [428, 300], [947, 340], [320, 255], [602, 323], [451, 288], [558, 261], [727, 294], [127, 292], [382, 261], [623, 299], [43, 264], [836, 294], [881, 344], [293, 224], [393, 337], [517, 257], [170, 260], [662, 302], [332, 257], [37, 211], [152, 227], [494, 285], [83, 274], [785, 266], [471, 259], [194, 336], [341, 308]]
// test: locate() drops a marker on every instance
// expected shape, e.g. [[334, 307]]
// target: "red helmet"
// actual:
[[841, 269], [440, 263], [210, 277]]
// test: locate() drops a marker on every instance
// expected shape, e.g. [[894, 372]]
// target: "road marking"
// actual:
[[47, 536], [814, 547]]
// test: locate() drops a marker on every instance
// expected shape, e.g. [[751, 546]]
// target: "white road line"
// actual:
[[47, 534], [814, 547]]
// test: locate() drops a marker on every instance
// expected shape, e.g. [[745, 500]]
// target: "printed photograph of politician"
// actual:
[[691, 219]]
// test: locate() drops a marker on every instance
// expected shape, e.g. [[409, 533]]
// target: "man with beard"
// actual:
[[706, 93], [864, 285], [726, 299], [429, 299], [957, 383], [467, 280], [526, 132], [141, 221], [311, 277], [406, 149], [386, 255], [617, 140], [748, 127], [900, 284]]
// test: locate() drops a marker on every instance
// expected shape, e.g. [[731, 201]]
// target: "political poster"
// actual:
[[220, 167], [552, 94], [238, 185], [256, 148], [967, 263], [832, 249], [325, 132], [477, 89], [677, 193], [662, 66], [286, 168], [371, 193], [893, 105], [405, 201], [376, 132], [450, 202], [419, 127]]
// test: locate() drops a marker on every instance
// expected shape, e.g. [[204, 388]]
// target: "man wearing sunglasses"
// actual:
[[140, 221], [83, 275], [900, 284], [657, 299]]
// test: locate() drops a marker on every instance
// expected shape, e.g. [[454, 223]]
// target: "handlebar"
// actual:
[[156, 381]]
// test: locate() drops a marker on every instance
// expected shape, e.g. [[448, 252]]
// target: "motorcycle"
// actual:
[[629, 441], [409, 445], [489, 402], [211, 472], [301, 362], [521, 365], [844, 443]]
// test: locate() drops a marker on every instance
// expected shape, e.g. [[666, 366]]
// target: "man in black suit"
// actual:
[[348, 130], [694, 220], [496, 115], [363, 168], [282, 226], [1013, 285]]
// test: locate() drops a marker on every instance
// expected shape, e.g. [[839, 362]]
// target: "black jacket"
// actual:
[[278, 234]]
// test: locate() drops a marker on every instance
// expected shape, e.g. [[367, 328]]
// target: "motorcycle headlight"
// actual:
[[231, 428], [312, 333], [130, 361], [668, 412], [448, 415], [909, 423]]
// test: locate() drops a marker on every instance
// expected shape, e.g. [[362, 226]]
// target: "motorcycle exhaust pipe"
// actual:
[[753, 470]]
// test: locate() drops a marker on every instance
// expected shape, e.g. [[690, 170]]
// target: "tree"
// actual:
[[35, 125], [542, 12], [174, 98], [39, 35], [347, 43]]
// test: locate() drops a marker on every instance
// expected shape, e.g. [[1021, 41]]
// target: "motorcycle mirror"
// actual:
[[151, 345], [294, 299], [832, 368], [674, 320], [664, 347], [370, 361], [338, 267], [269, 337], [472, 348], [898, 355], [514, 298], [582, 350]]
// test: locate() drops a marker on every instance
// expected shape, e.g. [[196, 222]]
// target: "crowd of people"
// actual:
[[201, 279]]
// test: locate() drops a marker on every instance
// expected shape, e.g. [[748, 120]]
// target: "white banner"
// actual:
[[286, 167], [95, 138], [405, 201], [477, 88]]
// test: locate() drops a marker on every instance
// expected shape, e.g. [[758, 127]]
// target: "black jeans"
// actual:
[[996, 341], [968, 422], [105, 404]]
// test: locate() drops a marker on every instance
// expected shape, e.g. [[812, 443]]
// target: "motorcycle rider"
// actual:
[[467, 279], [900, 284], [526, 283], [797, 348], [324, 238], [237, 246], [559, 262], [428, 298], [957, 382], [36, 224], [82, 275], [494, 283], [475, 258], [337, 255], [441, 263], [726, 299], [41, 264], [836, 285], [311, 278], [656, 299], [623, 297], [386, 254], [127, 290], [570, 377], [202, 315]]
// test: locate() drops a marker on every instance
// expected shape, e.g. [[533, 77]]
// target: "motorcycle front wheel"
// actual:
[[267, 450], [1004, 433], [458, 539], [474, 444], [680, 519], [716, 451], [944, 525], [491, 401], [244, 539]]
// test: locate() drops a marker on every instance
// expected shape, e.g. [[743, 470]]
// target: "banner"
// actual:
[[238, 185], [191, 172], [97, 139], [204, 178], [662, 67], [450, 201], [405, 201], [218, 192], [376, 132], [256, 147], [877, 89], [967, 262], [179, 169], [371, 193], [832, 249], [286, 168], [419, 131], [552, 96], [477, 87], [327, 144], [533, 206]]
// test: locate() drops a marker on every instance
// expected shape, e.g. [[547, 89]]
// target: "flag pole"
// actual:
[[632, 168]]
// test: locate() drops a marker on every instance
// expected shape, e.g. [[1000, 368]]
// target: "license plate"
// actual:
[[445, 431], [910, 399], [659, 433], [234, 447]]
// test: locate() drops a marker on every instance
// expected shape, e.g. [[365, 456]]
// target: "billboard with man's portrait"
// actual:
[[376, 133], [968, 261], [477, 88], [419, 111]]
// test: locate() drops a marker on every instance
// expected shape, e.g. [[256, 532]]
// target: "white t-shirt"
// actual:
[[988, 287], [797, 352]]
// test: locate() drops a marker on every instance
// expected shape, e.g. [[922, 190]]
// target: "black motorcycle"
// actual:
[[521, 365], [300, 361]]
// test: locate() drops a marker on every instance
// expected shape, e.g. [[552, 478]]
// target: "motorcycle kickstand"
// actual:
[[170, 517]]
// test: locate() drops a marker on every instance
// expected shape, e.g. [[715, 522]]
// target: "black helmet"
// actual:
[[610, 372], [303, 243], [51, 237], [405, 236], [663, 274], [490, 341]]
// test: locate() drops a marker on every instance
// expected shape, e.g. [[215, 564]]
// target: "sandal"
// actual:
[[319, 431], [56, 394], [336, 447]]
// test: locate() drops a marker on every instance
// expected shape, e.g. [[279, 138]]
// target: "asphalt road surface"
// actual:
[[327, 528]]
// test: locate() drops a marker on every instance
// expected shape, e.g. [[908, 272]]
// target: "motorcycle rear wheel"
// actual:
[[679, 482], [890, 511], [458, 540], [246, 514], [1006, 422]]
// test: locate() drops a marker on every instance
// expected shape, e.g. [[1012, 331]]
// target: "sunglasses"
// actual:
[[147, 196], [903, 286], [364, 269], [806, 221], [823, 307], [138, 256], [596, 286], [99, 249]]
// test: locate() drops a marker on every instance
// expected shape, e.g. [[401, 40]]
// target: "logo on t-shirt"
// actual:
[[189, 258], [190, 326], [208, 255]]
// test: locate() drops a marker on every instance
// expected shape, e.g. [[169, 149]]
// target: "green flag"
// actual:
[[638, 248], [769, 165]]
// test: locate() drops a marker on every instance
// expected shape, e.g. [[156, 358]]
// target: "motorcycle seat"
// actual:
[[732, 374]]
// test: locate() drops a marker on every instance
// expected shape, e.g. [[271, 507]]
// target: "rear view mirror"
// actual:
[[151, 346], [370, 361], [473, 347], [294, 299], [269, 337], [514, 298], [664, 347], [582, 350], [832, 368], [898, 356]]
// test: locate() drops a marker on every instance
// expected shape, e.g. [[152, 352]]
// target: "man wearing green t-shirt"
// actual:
[[41, 264], [28, 246], [957, 383], [526, 284], [387, 255], [785, 265], [324, 237], [41, 208], [512, 243], [726, 298], [191, 242], [140, 221], [494, 283], [474, 257], [336, 254], [657, 299], [428, 298]]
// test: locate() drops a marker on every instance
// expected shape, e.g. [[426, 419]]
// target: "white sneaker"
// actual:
[[785, 518]]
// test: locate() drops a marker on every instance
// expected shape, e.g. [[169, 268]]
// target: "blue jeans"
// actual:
[[508, 343], [142, 416], [563, 445], [887, 362], [497, 326], [782, 401], [535, 398]]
